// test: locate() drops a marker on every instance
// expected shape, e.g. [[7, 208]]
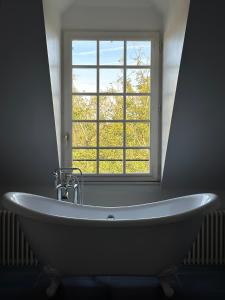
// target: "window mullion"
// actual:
[[112, 147], [97, 107], [110, 94], [124, 107]]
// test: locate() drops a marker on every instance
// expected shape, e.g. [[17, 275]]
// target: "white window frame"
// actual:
[[68, 37]]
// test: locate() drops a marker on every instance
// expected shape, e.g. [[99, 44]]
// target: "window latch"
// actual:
[[66, 138]]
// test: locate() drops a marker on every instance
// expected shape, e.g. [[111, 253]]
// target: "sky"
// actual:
[[110, 53]]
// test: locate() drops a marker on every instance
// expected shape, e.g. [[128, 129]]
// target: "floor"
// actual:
[[191, 283]]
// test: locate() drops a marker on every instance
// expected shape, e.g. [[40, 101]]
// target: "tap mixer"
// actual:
[[68, 184]]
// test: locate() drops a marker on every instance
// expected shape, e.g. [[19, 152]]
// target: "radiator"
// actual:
[[208, 249], [14, 249]]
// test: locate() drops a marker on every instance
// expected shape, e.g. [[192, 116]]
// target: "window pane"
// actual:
[[137, 154], [137, 134], [138, 107], [137, 167], [138, 53], [110, 134], [111, 80], [84, 154], [111, 107], [110, 167], [84, 134], [84, 107], [110, 154], [84, 81], [87, 167], [138, 81], [111, 52], [84, 52], [76, 171]]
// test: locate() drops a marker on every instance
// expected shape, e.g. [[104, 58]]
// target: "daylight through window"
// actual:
[[111, 106], [111, 86]]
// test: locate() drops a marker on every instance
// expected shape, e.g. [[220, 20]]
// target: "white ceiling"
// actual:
[[160, 5], [113, 3], [59, 5]]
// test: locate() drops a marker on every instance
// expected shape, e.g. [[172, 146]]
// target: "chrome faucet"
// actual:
[[68, 185]]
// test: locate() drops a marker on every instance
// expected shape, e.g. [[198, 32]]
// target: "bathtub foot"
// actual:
[[53, 288], [167, 289], [55, 281]]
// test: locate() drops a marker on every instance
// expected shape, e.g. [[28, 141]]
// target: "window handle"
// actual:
[[66, 138]]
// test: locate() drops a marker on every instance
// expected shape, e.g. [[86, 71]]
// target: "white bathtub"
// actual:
[[148, 239]]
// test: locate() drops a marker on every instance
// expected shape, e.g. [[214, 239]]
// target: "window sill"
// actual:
[[120, 182]]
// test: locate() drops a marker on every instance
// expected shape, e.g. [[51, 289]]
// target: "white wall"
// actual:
[[89, 17], [53, 37], [173, 39]]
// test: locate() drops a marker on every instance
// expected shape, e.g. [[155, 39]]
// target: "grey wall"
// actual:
[[28, 149], [196, 150]]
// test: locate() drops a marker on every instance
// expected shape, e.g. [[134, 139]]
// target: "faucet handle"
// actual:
[[55, 174], [67, 176]]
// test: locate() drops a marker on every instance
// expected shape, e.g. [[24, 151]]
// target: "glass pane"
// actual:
[[111, 154], [137, 134], [138, 107], [87, 167], [110, 167], [138, 81], [137, 154], [111, 52], [84, 154], [137, 167], [84, 52], [111, 107], [138, 53], [84, 81], [84, 134], [111, 80], [76, 171], [84, 107], [110, 134]]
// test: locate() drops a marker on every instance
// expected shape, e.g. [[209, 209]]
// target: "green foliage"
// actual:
[[84, 134], [110, 167], [84, 107], [111, 108], [111, 154], [138, 107]]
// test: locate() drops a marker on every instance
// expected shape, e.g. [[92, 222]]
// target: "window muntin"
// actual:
[[122, 115]]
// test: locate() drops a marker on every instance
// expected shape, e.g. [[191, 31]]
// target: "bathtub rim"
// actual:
[[23, 211]]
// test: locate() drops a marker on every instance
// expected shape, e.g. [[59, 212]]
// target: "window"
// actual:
[[111, 105]]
